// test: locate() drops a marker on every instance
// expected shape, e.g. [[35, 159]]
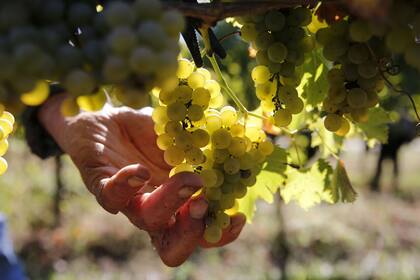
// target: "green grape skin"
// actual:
[[357, 98], [78, 82], [350, 71], [200, 138], [213, 193], [119, 13], [176, 111], [358, 53], [295, 105], [262, 57], [282, 118], [263, 41], [266, 148], [334, 50], [142, 60], [274, 20], [182, 94], [194, 156], [299, 16], [359, 31], [201, 97], [367, 70], [228, 116], [122, 40], [173, 128], [173, 22], [265, 91], [332, 122], [185, 68], [359, 115], [115, 69], [196, 80], [227, 201], [3, 165], [174, 156], [231, 166], [213, 123], [164, 141], [277, 52], [260, 74], [221, 138], [237, 147], [213, 234], [222, 220], [220, 155], [239, 191], [195, 112], [183, 140], [335, 76], [209, 177], [337, 95]]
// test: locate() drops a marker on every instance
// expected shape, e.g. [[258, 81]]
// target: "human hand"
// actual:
[[121, 165]]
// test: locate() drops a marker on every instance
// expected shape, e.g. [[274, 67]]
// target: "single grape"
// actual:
[[357, 98], [282, 118], [221, 138], [274, 20], [332, 122], [277, 52], [213, 234], [174, 156], [260, 74], [176, 111], [228, 116]]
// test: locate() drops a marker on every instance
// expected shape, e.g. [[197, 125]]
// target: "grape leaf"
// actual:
[[341, 187], [376, 127], [268, 182], [307, 187], [324, 139], [316, 83]]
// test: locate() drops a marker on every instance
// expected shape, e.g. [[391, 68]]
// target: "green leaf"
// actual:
[[324, 139], [306, 187], [316, 85], [268, 182], [377, 125], [342, 188]]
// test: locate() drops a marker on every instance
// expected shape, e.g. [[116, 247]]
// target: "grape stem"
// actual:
[[229, 91], [394, 88]]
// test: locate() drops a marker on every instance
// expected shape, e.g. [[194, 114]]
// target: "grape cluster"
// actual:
[[281, 43], [6, 128], [83, 47], [215, 143], [354, 80]]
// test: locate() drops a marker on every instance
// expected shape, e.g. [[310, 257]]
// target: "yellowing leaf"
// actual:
[[306, 187], [343, 190]]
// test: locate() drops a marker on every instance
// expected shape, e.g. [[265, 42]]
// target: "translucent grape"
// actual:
[[176, 111], [332, 122], [195, 112], [260, 74], [185, 68], [200, 138], [164, 141], [194, 156], [36, 96], [196, 80], [357, 98], [344, 128], [228, 116], [174, 156], [3, 166], [201, 97], [277, 52], [221, 138], [213, 234]]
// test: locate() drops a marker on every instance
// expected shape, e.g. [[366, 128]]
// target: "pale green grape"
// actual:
[[213, 194], [200, 138], [176, 111], [213, 234], [237, 147], [201, 97], [332, 122], [213, 123], [194, 156], [173, 128], [213, 87], [209, 177], [260, 74], [222, 220], [221, 138], [4, 146], [3, 165], [174, 156], [182, 94], [282, 118], [195, 112], [357, 98], [274, 20], [220, 155], [231, 166], [263, 41], [196, 80], [266, 91], [164, 141], [360, 31], [277, 52], [367, 69], [237, 130], [295, 105], [185, 68], [229, 116], [266, 147], [358, 53], [183, 140], [399, 38]]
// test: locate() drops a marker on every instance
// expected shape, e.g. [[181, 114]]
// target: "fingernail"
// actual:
[[135, 182], [198, 208], [186, 192]]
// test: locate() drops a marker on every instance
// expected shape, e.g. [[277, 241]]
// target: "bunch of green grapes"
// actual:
[[6, 128], [215, 143], [354, 80], [131, 47], [281, 41]]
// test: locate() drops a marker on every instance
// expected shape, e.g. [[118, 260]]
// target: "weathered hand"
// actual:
[[121, 165]]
